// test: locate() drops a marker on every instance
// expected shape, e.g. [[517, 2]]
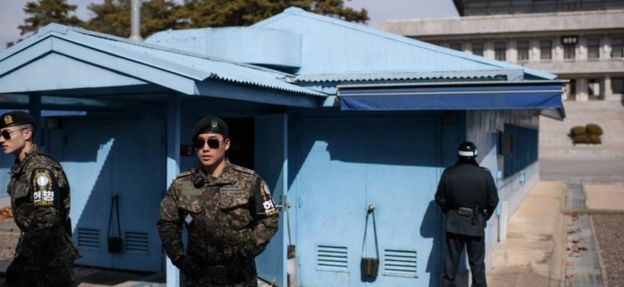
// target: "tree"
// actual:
[[113, 17], [217, 13], [44, 12]]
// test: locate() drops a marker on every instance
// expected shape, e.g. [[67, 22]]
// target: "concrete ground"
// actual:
[[532, 254], [536, 251]]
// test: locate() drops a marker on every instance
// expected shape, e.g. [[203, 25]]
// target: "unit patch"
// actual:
[[43, 193], [267, 204]]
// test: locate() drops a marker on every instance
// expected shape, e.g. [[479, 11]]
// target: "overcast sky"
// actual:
[[11, 14]]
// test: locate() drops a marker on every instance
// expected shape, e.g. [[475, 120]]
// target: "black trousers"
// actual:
[[61, 276], [476, 255]]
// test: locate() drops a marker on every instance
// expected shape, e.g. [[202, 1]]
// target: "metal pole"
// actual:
[[135, 34]]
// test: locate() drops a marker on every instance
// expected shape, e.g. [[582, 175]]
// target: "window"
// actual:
[[500, 51], [570, 94], [617, 85], [593, 89], [546, 49], [593, 48], [617, 47], [569, 51], [523, 50], [477, 48], [456, 46]]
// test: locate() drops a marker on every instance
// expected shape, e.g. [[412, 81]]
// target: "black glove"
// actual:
[[186, 265]]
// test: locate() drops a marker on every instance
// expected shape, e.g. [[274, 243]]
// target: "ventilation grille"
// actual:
[[400, 263], [137, 242], [88, 238], [333, 258]]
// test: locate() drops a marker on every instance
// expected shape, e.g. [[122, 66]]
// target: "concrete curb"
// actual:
[[603, 268], [592, 211]]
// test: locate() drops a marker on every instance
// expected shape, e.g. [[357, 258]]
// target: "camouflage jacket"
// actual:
[[40, 201], [230, 220]]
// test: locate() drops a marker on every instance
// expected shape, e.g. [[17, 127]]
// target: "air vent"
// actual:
[[88, 238], [332, 258], [137, 243], [400, 263]]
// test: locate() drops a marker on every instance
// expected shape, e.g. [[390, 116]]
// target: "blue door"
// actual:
[[348, 164], [271, 162], [107, 158]]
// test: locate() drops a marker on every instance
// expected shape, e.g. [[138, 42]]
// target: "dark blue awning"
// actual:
[[543, 95]]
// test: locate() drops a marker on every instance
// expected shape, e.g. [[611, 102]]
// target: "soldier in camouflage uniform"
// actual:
[[227, 210], [40, 201]]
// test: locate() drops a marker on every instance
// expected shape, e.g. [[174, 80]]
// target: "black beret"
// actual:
[[16, 118], [210, 124]]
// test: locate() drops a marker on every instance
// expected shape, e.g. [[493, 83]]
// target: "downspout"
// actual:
[[135, 19]]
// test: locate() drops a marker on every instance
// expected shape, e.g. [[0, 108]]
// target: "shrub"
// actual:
[[581, 139], [578, 130], [594, 129], [595, 139]]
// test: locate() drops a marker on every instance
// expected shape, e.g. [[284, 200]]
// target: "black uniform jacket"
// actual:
[[468, 196]]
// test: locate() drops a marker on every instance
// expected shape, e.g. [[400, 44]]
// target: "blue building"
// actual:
[[336, 116]]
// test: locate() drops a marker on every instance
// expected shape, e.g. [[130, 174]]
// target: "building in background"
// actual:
[[581, 41]]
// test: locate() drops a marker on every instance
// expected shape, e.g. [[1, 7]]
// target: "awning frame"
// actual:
[[543, 95]]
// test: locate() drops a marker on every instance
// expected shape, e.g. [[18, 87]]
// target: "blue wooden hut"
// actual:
[[336, 116]]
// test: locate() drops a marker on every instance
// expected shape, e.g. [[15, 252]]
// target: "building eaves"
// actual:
[[182, 63], [501, 74], [516, 23]]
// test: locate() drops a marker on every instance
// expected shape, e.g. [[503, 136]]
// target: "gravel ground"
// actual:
[[609, 229], [9, 234]]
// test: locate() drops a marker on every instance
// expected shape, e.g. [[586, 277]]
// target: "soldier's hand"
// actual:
[[186, 265]]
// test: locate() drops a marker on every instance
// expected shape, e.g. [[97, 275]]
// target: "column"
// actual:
[[173, 166], [608, 89]]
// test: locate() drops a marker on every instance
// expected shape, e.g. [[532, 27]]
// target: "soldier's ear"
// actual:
[[226, 143], [28, 134]]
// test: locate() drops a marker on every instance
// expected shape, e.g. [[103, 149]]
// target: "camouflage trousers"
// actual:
[[52, 277]]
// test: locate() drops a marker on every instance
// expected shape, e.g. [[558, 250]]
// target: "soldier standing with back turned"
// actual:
[[227, 210], [468, 196], [40, 201]]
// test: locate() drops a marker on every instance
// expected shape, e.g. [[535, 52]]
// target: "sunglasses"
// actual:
[[212, 143], [6, 134]]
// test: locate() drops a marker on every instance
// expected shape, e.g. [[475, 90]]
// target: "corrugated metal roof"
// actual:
[[502, 74], [334, 47], [181, 63]]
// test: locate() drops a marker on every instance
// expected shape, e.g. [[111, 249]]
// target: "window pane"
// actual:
[[593, 48], [523, 50], [617, 85], [500, 51], [456, 46], [569, 51], [617, 47], [546, 49], [477, 48], [593, 89]]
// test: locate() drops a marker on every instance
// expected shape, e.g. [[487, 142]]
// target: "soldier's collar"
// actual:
[[227, 176], [18, 165]]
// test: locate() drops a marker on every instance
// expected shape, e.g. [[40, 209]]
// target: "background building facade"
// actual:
[[581, 41]]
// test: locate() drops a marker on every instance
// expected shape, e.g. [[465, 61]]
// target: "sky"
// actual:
[[12, 15]]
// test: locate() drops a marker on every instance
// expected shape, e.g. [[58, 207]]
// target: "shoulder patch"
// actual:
[[43, 183], [243, 169]]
